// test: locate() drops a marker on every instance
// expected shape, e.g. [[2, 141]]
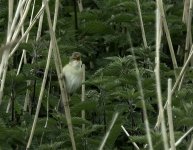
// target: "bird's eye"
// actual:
[[77, 58]]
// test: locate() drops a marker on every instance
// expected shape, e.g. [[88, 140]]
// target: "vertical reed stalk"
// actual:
[[13, 25], [177, 81], [10, 18], [169, 112], [185, 11], [189, 32], [191, 145], [47, 104], [40, 24], [32, 13], [58, 66], [166, 29], [157, 76], [83, 95], [44, 80], [5, 57], [21, 22], [24, 52], [29, 28], [27, 97], [80, 6], [147, 128], [142, 25]]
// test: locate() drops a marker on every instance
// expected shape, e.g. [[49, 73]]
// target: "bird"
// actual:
[[72, 72]]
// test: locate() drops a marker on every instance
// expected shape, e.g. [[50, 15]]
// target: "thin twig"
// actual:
[[83, 94], [142, 25], [148, 134], [166, 29], [182, 138], [108, 132], [134, 144]]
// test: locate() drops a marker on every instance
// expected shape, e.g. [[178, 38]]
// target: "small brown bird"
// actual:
[[73, 73]]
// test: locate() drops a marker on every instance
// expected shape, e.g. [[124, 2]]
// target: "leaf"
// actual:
[[80, 121], [95, 27], [86, 105], [52, 146]]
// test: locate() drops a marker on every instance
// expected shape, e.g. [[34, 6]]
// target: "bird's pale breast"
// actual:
[[73, 76]]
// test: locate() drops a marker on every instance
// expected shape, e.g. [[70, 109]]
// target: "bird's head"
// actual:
[[75, 59], [76, 56]]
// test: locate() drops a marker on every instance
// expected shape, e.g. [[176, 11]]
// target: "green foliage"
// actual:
[[111, 83]]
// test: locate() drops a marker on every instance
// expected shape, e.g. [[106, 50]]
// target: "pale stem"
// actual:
[[41, 91], [134, 144], [169, 112], [83, 94], [58, 65], [158, 82], [142, 25], [80, 6], [108, 131]]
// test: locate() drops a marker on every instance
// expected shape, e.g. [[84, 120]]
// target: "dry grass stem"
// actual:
[[27, 97], [4, 60], [182, 70], [13, 25], [169, 112], [158, 82], [108, 132], [32, 13], [147, 128], [42, 86], [189, 32], [177, 82], [6, 55], [185, 11], [10, 18], [47, 104], [29, 28], [191, 145], [134, 144], [166, 29], [58, 66], [182, 138], [80, 6], [21, 22], [141, 24], [83, 94]]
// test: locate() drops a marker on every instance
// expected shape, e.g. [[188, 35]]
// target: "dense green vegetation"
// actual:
[[101, 33]]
